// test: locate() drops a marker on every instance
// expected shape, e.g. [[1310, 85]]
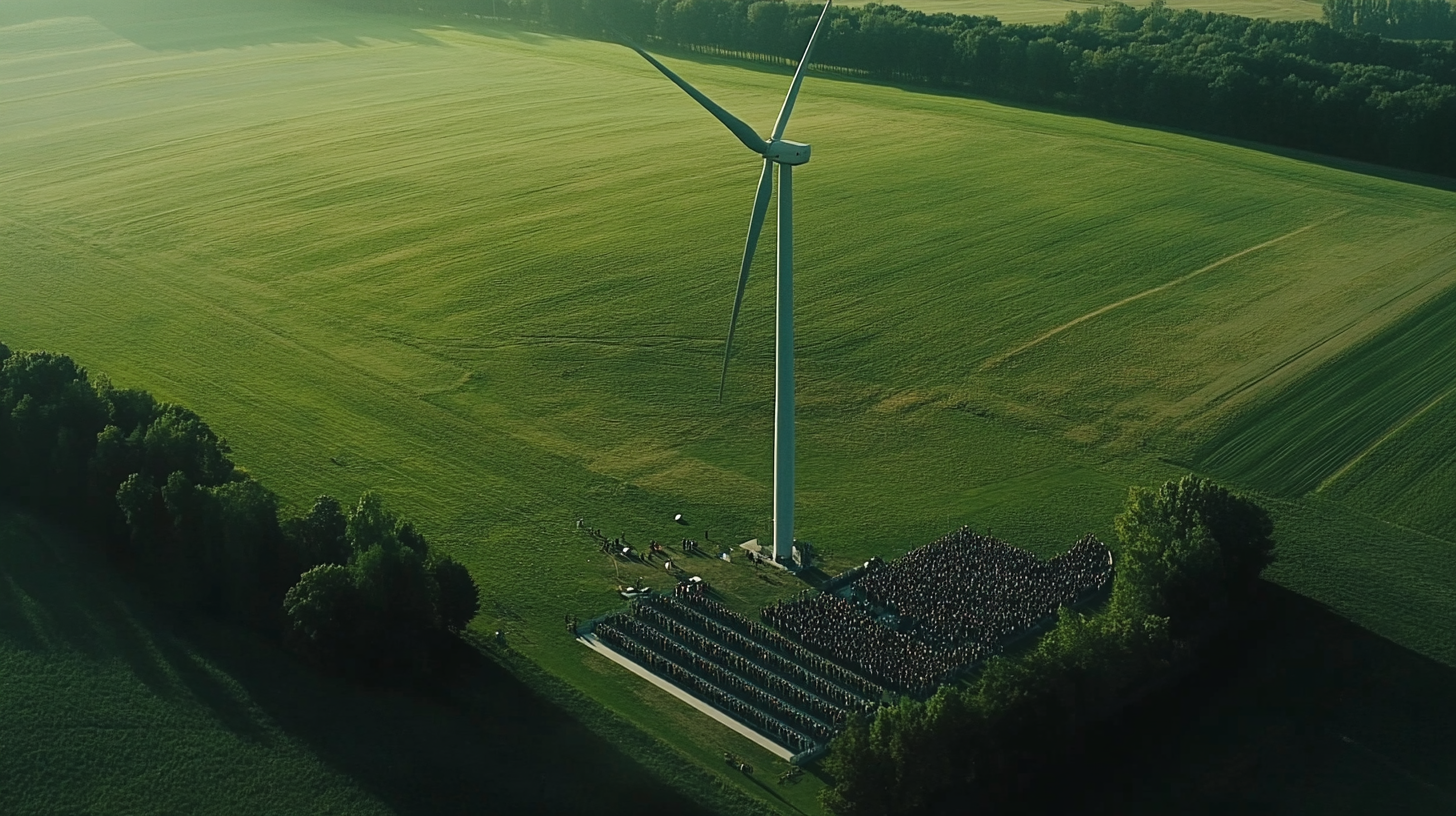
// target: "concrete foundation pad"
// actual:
[[753, 546]]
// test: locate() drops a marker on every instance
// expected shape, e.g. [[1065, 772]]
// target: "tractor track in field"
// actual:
[[998, 360], [1350, 405], [1325, 346], [1388, 435]]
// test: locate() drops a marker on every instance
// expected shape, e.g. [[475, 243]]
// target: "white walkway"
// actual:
[[591, 642]]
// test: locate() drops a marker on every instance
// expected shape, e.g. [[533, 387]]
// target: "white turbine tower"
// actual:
[[787, 155]]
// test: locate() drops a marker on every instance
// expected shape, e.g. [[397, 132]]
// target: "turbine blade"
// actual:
[[745, 134], [788, 108], [755, 226]]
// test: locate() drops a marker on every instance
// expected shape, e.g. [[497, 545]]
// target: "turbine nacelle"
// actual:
[[783, 151]]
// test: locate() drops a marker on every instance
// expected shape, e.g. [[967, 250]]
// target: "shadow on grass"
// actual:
[[482, 743], [770, 792], [56, 594], [1308, 714], [813, 576], [485, 745]]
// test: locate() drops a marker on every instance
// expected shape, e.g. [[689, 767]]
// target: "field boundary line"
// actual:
[[995, 361], [1385, 437]]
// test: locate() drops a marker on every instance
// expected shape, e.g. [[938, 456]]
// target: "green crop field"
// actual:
[[1052, 11], [487, 272], [1312, 435]]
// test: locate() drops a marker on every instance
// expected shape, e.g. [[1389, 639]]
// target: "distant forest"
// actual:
[[1331, 89], [1407, 19]]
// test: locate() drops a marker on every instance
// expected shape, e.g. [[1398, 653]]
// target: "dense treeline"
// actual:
[[1408, 19], [356, 588], [1190, 559], [1302, 84]]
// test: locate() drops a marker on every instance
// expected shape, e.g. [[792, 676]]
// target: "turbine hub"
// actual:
[[784, 151]]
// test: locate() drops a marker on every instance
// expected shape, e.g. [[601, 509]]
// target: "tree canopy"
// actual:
[[359, 588], [1190, 554], [1407, 19]]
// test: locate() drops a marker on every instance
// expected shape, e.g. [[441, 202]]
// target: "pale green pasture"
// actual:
[[1053, 11], [488, 273]]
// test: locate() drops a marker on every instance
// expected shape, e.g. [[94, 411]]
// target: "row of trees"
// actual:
[[1303, 85], [355, 587], [1408, 19], [1191, 553]]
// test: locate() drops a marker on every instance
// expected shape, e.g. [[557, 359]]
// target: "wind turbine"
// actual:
[[786, 155]]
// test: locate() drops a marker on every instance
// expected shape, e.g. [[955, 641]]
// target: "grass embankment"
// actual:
[[487, 272]]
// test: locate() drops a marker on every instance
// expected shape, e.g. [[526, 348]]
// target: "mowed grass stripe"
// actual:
[[1177, 365], [1414, 417], [1293, 443]]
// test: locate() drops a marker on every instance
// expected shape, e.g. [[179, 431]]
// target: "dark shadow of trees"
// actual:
[[1304, 713], [505, 751]]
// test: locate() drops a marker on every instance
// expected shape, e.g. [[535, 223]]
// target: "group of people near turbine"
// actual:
[[913, 622], [907, 626]]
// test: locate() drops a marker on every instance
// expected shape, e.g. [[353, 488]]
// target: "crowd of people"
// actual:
[[913, 622], [792, 693], [744, 668], [848, 630], [689, 587], [907, 625], [967, 587]]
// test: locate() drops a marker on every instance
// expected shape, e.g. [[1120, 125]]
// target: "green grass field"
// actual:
[[1311, 436], [1052, 11], [487, 272]]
